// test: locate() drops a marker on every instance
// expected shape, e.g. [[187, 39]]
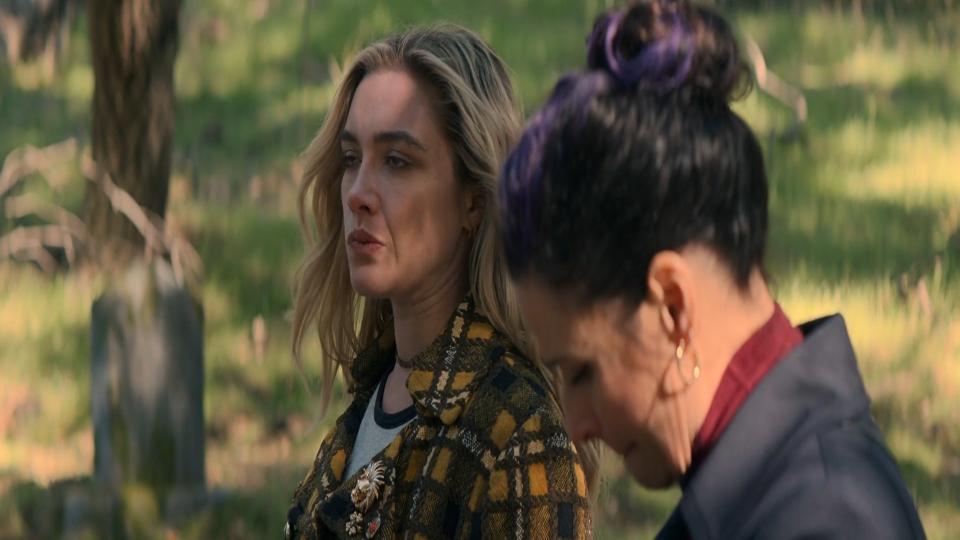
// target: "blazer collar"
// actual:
[[816, 383], [444, 376]]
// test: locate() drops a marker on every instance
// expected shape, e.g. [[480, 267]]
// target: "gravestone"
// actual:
[[147, 388]]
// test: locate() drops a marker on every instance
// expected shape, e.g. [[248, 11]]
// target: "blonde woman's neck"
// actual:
[[419, 319]]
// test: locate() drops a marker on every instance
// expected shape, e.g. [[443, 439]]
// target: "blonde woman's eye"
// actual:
[[397, 162], [350, 160]]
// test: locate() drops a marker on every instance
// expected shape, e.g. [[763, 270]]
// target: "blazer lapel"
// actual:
[[364, 503]]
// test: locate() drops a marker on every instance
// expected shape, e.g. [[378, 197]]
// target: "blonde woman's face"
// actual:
[[405, 214]]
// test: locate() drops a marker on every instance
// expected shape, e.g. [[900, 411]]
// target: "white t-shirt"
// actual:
[[377, 429]]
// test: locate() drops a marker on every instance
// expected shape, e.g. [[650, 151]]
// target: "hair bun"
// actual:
[[669, 45]]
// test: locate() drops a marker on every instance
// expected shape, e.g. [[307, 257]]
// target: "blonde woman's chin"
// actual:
[[369, 285]]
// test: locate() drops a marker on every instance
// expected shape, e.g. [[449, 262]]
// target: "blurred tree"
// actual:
[[146, 328], [133, 48], [33, 28]]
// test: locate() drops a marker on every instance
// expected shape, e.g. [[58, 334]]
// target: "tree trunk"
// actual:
[[133, 48], [146, 329]]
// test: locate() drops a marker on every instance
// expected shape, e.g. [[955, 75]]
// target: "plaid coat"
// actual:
[[485, 457]]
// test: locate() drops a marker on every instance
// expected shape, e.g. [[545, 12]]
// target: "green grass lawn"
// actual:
[[865, 221]]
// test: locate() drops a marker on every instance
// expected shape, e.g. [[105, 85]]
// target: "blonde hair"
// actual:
[[482, 120]]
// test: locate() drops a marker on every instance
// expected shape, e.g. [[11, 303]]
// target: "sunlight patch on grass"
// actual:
[[923, 163], [309, 99], [947, 373], [940, 519], [762, 114], [376, 23], [233, 68], [44, 462], [78, 83], [944, 358], [851, 147], [826, 32], [44, 337], [216, 303], [875, 62], [34, 307], [278, 43], [907, 447], [29, 77], [879, 324]]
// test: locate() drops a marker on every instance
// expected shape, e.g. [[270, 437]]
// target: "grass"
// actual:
[[865, 220]]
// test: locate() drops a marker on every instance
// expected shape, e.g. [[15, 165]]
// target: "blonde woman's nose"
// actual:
[[362, 197]]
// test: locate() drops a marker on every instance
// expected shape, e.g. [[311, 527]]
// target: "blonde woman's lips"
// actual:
[[360, 241]]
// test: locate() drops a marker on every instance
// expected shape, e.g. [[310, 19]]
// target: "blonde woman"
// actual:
[[452, 431]]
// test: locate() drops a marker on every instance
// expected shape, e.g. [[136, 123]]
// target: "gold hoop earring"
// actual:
[[679, 354]]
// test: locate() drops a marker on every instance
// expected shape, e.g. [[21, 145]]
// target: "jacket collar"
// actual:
[[816, 383], [442, 380], [444, 376]]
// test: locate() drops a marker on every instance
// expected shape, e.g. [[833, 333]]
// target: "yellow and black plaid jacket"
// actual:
[[485, 457]]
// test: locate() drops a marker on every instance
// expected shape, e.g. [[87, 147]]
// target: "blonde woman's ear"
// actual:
[[475, 204]]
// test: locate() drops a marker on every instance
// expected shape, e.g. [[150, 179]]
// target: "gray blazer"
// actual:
[[802, 458]]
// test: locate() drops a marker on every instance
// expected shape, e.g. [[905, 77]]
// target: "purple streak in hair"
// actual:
[[523, 172], [658, 63], [664, 64]]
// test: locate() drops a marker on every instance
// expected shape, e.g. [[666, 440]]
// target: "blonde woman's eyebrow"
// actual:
[[399, 136], [347, 137]]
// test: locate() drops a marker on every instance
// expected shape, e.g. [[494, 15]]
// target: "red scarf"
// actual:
[[773, 341]]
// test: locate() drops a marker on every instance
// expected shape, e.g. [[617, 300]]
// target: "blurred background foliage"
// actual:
[[865, 221]]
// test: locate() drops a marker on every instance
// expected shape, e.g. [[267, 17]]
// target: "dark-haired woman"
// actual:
[[635, 223]]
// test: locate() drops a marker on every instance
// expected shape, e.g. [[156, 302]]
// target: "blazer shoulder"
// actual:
[[864, 478], [513, 406], [839, 481], [515, 384]]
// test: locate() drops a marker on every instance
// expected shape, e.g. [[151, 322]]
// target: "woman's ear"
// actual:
[[670, 287], [474, 207]]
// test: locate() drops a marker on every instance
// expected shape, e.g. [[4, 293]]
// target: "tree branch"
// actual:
[[26, 204], [38, 254], [769, 82], [160, 238], [28, 159], [123, 202], [33, 241]]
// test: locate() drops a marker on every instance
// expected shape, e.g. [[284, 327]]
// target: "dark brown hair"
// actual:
[[638, 154]]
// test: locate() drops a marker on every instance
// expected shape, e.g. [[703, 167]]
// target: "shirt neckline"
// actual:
[[387, 420]]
